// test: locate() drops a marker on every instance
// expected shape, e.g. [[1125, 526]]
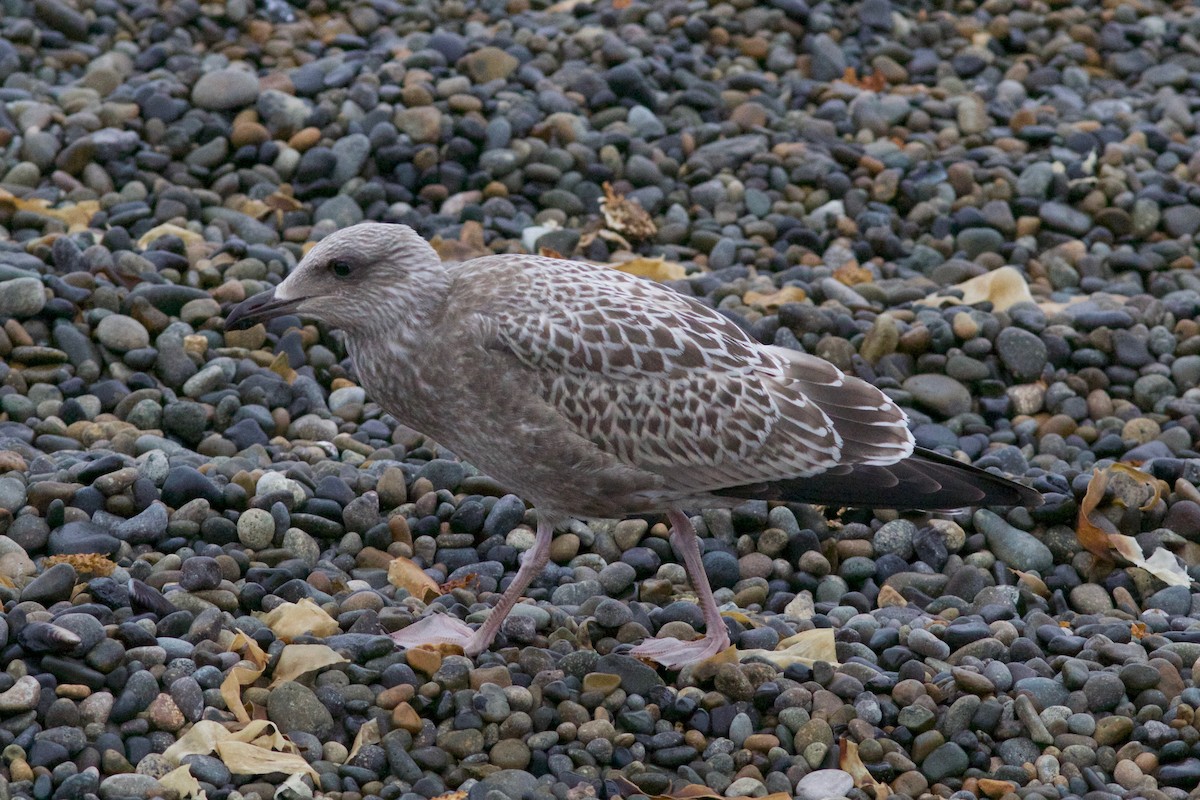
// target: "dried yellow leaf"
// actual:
[[244, 674], [806, 647], [850, 762], [367, 734], [180, 780], [298, 659], [658, 269], [76, 216], [242, 758], [290, 620], [773, 300], [167, 229], [404, 574], [1098, 534], [1004, 288]]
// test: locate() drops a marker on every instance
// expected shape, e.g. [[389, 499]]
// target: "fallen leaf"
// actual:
[[1137, 630], [1032, 582], [457, 794], [404, 574], [76, 215], [241, 675], [741, 619], [89, 563], [242, 758], [806, 647], [181, 781], [298, 659], [658, 269], [1098, 534], [1004, 288], [206, 734], [850, 762], [368, 733], [283, 368], [458, 583], [626, 216], [852, 273], [890, 596], [773, 300], [167, 229], [289, 620], [691, 791], [469, 244]]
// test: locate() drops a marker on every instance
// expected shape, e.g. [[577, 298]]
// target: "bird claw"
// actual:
[[436, 629], [675, 654]]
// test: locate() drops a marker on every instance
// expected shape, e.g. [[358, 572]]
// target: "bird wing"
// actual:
[[667, 385]]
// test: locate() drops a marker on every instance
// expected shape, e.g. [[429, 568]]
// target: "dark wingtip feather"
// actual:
[[925, 480]]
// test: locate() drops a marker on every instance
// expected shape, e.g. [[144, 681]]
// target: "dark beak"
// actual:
[[262, 307]]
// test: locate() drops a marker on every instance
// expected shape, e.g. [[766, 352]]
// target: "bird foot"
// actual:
[[436, 629], [675, 654]]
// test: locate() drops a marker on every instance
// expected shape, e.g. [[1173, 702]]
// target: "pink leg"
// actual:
[[671, 652], [445, 629]]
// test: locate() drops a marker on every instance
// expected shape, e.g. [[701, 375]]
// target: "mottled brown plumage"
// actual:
[[592, 393]]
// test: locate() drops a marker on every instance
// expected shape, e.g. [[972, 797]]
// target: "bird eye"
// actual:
[[340, 268]]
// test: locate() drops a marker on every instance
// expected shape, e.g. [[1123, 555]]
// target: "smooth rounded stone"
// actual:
[[130, 784], [946, 761], [225, 89], [21, 297], [823, 784], [80, 537], [1063, 217], [51, 586], [1090, 598], [895, 537], [939, 393], [925, 643], [1022, 352], [508, 783], [22, 696], [139, 691], [294, 707], [1181, 220], [1176, 601], [121, 333], [1045, 692], [1103, 690], [1016, 548]]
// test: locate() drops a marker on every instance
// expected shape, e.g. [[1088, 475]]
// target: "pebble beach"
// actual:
[[990, 210]]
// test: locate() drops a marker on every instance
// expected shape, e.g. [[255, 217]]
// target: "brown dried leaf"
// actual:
[[458, 583], [772, 301], [367, 734], [807, 647], [298, 659], [658, 269], [691, 791], [289, 620], [242, 758], [185, 786], [77, 215], [469, 244], [283, 368], [852, 273], [166, 229], [850, 762], [89, 563], [626, 216], [1004, 288], [1098, 534], [457, 794], [405, 574], [242, 675]]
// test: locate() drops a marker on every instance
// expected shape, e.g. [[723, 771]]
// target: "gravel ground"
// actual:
[[181, 508]]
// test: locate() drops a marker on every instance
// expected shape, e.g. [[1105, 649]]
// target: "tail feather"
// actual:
[[925, 480]]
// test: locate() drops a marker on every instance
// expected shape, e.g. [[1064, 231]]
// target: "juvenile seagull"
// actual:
[[596, 394]]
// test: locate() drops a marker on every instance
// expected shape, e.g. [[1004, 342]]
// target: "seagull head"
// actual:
[[363, 279]]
